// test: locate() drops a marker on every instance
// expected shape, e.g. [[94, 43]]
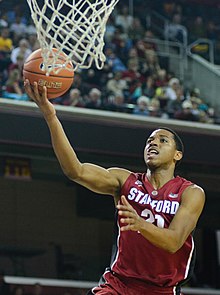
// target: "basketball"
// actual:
[[57, 82]]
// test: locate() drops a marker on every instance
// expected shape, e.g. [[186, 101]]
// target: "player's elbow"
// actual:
[[72, 174], [173, 246], [173, 249]]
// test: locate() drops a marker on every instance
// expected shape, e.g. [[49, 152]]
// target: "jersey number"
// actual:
[[150, 217]]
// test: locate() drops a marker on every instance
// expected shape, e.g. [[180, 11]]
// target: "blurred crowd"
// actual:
[[133, 79]]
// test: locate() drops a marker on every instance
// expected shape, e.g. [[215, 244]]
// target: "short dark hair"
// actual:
[[177, 139]]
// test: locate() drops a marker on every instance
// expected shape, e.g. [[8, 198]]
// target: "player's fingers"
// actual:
[[44, 93], [127, 227], [126, 213], [124, 228], [125, 208], [125, 202], [36, 91], [127, 220], [121, 207], [28, 88]]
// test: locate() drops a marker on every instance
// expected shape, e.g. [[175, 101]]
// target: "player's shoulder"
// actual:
[[188, 184], [193, 187], [194, 192], [120, 173], [189, 187]]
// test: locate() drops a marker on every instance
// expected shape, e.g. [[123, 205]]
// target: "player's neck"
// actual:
[[159, 178]]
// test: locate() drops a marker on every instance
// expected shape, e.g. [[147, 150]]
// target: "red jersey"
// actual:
[[134, 256]]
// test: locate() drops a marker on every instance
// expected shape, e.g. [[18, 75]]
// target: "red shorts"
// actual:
[[116, 286]]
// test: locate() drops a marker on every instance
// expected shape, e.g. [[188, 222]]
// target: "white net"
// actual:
[[75, 27]]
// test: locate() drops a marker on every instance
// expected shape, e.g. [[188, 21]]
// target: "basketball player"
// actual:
[[156, 211]]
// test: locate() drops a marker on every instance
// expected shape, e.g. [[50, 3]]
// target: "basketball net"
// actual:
[[74, 27]]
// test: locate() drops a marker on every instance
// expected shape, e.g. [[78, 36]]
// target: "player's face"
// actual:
[[160, 150]]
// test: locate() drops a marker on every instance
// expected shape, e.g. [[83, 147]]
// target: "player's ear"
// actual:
[[178, 155]]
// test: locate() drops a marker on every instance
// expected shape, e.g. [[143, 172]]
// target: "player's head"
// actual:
[[177, 139], [163, 145]]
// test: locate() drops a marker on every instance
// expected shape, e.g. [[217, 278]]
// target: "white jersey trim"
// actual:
[[189, 260], [117, 254]]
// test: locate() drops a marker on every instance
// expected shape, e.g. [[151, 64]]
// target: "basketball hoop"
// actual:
[[75, 27]]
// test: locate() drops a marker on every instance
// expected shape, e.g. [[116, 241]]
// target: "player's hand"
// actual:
[[129, 217], [41, 100]]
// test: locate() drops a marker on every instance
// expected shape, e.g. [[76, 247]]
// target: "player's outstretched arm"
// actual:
[[170, 239], [96, 178]]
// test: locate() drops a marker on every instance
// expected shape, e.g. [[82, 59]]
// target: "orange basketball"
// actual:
[[57, 83]]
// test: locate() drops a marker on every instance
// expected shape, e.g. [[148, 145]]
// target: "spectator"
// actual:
[[3, 21], [113, 63], [13, 82], [135, 90], [115, 103], [123, 19], [6, 43], [30, 28], [22, 50], [152, 63], [174, 106], [197, 29], [18, 29], [196, 102], [160, 94], [149, 42], [195, 93], [212, 31], [168, 8], [154, 108], [121, 44], [116, 84], [142, 106], [13, 87], [91, 78], [75, 99], [134, 58], [186, 113], [201, 110], [16, 11], [140, 45], [161, 78], [94, 99], [110, 29], [132, 73], [18, 65], [148, 88], [33, 41], [173, 85], [174, 30], [79, 83], [133, 54], [136, 31]]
